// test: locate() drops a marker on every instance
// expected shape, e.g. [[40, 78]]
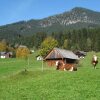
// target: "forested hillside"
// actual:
[[82, 39], [78, 28]]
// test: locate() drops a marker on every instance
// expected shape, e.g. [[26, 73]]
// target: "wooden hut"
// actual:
[[81, 54], [6, 54], [67, 59]]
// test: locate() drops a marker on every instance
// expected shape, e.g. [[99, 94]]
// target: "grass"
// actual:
[[49, 84]]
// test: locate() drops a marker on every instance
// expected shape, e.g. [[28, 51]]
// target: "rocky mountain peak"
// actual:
[[76, 15]]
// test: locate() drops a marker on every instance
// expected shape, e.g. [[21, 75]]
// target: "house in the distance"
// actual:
[[6, 54], [39, 57], [67, 59], [81, 54]]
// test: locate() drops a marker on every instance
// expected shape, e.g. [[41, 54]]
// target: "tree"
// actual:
[[89, 44], [3, 45], [22, 52], [38, 38], [48, 44], [65, 44]]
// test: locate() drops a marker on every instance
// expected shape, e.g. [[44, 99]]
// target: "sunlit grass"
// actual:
[[48, 84]]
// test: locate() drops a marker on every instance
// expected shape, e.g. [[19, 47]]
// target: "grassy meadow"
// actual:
[[48, 84]]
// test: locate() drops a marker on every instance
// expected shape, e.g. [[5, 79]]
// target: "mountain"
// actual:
[[74, 19], [75, 16]]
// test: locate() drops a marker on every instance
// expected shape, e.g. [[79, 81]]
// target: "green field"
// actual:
[[48, 84]]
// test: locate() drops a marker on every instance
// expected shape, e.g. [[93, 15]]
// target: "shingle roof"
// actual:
[[67, 53], [61, 53]]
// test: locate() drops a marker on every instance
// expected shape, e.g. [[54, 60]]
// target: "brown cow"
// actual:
[[62, 66], [58, 65], [94, 61]]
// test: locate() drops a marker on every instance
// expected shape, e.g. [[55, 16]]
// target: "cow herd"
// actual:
[[72, 67]]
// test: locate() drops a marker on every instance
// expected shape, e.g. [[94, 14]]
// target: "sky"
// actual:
[[12, 11]]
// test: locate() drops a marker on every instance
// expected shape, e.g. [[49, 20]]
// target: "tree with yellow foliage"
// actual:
[[48, 44], [3, 46], [22, 52]]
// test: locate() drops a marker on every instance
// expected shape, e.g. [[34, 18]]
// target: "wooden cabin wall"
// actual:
[[52, 62]]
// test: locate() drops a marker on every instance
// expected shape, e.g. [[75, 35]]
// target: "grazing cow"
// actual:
[[94, 61], [70, 67], [59, 65], [64, 67]]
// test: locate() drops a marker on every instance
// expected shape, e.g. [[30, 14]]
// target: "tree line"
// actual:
[[82, 39]]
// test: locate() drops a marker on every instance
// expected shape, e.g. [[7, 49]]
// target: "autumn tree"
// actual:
[[65, 45], [22, 52], [47, 45], [3, 45]]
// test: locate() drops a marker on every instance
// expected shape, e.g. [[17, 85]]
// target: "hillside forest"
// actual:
[[82, 39]]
